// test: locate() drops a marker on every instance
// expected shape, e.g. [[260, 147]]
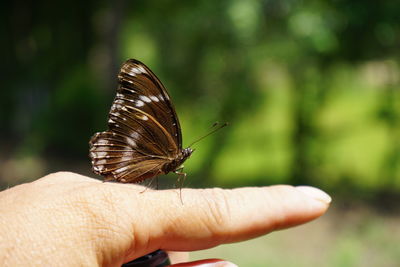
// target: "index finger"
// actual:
[[209, 217]]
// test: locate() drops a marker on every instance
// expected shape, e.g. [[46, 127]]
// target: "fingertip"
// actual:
[[315, 193]]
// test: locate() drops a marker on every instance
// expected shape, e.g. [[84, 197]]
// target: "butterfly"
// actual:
[[144, 137]]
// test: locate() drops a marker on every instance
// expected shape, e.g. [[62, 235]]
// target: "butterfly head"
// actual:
[[186, 152], [177, 162]]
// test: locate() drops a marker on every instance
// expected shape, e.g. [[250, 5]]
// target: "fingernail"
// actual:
[[218, 264], [315, 193], [207, 263]]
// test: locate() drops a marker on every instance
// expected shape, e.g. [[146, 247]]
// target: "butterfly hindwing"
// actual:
[[116, 160]]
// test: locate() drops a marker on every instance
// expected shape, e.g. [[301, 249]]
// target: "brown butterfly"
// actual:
[[144, 137]]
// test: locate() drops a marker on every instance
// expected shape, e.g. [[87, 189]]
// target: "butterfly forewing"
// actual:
[[142, 87], [144, 136]]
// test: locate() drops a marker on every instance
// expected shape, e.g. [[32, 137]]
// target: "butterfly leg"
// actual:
[[156, 178], [150, 183], [144, 190], [181, 179]]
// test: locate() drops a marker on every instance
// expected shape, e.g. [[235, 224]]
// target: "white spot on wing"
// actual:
[[130, 142], [154, 98], [145, 98], [135, 135], [137, 70], [116, 106], [160, 97], [142, 69], [98, 168], [119, 170], [139, 103], [102, 162]]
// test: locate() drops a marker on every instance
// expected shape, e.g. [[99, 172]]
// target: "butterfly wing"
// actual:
[[143, 129], [142, 87]]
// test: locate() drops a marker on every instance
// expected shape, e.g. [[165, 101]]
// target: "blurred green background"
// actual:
[[310, 89]]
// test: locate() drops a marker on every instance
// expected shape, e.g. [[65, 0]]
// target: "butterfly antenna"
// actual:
[[215, 124], [216, 127]]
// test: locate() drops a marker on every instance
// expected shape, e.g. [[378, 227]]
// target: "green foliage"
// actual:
[[311, 89]]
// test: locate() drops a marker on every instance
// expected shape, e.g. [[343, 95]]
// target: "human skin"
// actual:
[[66, 219]]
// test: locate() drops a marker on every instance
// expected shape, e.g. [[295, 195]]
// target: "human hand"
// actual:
[[66, 219]]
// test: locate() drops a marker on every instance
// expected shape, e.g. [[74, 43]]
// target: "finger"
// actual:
[[210, 217]]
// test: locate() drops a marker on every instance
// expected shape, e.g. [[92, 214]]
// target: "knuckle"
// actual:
[[219, 211], [97, 205]]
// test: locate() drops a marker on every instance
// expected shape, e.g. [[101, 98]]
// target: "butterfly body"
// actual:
[[144, 137]]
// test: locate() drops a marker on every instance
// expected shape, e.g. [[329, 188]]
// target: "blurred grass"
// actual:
[[351, 143]]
